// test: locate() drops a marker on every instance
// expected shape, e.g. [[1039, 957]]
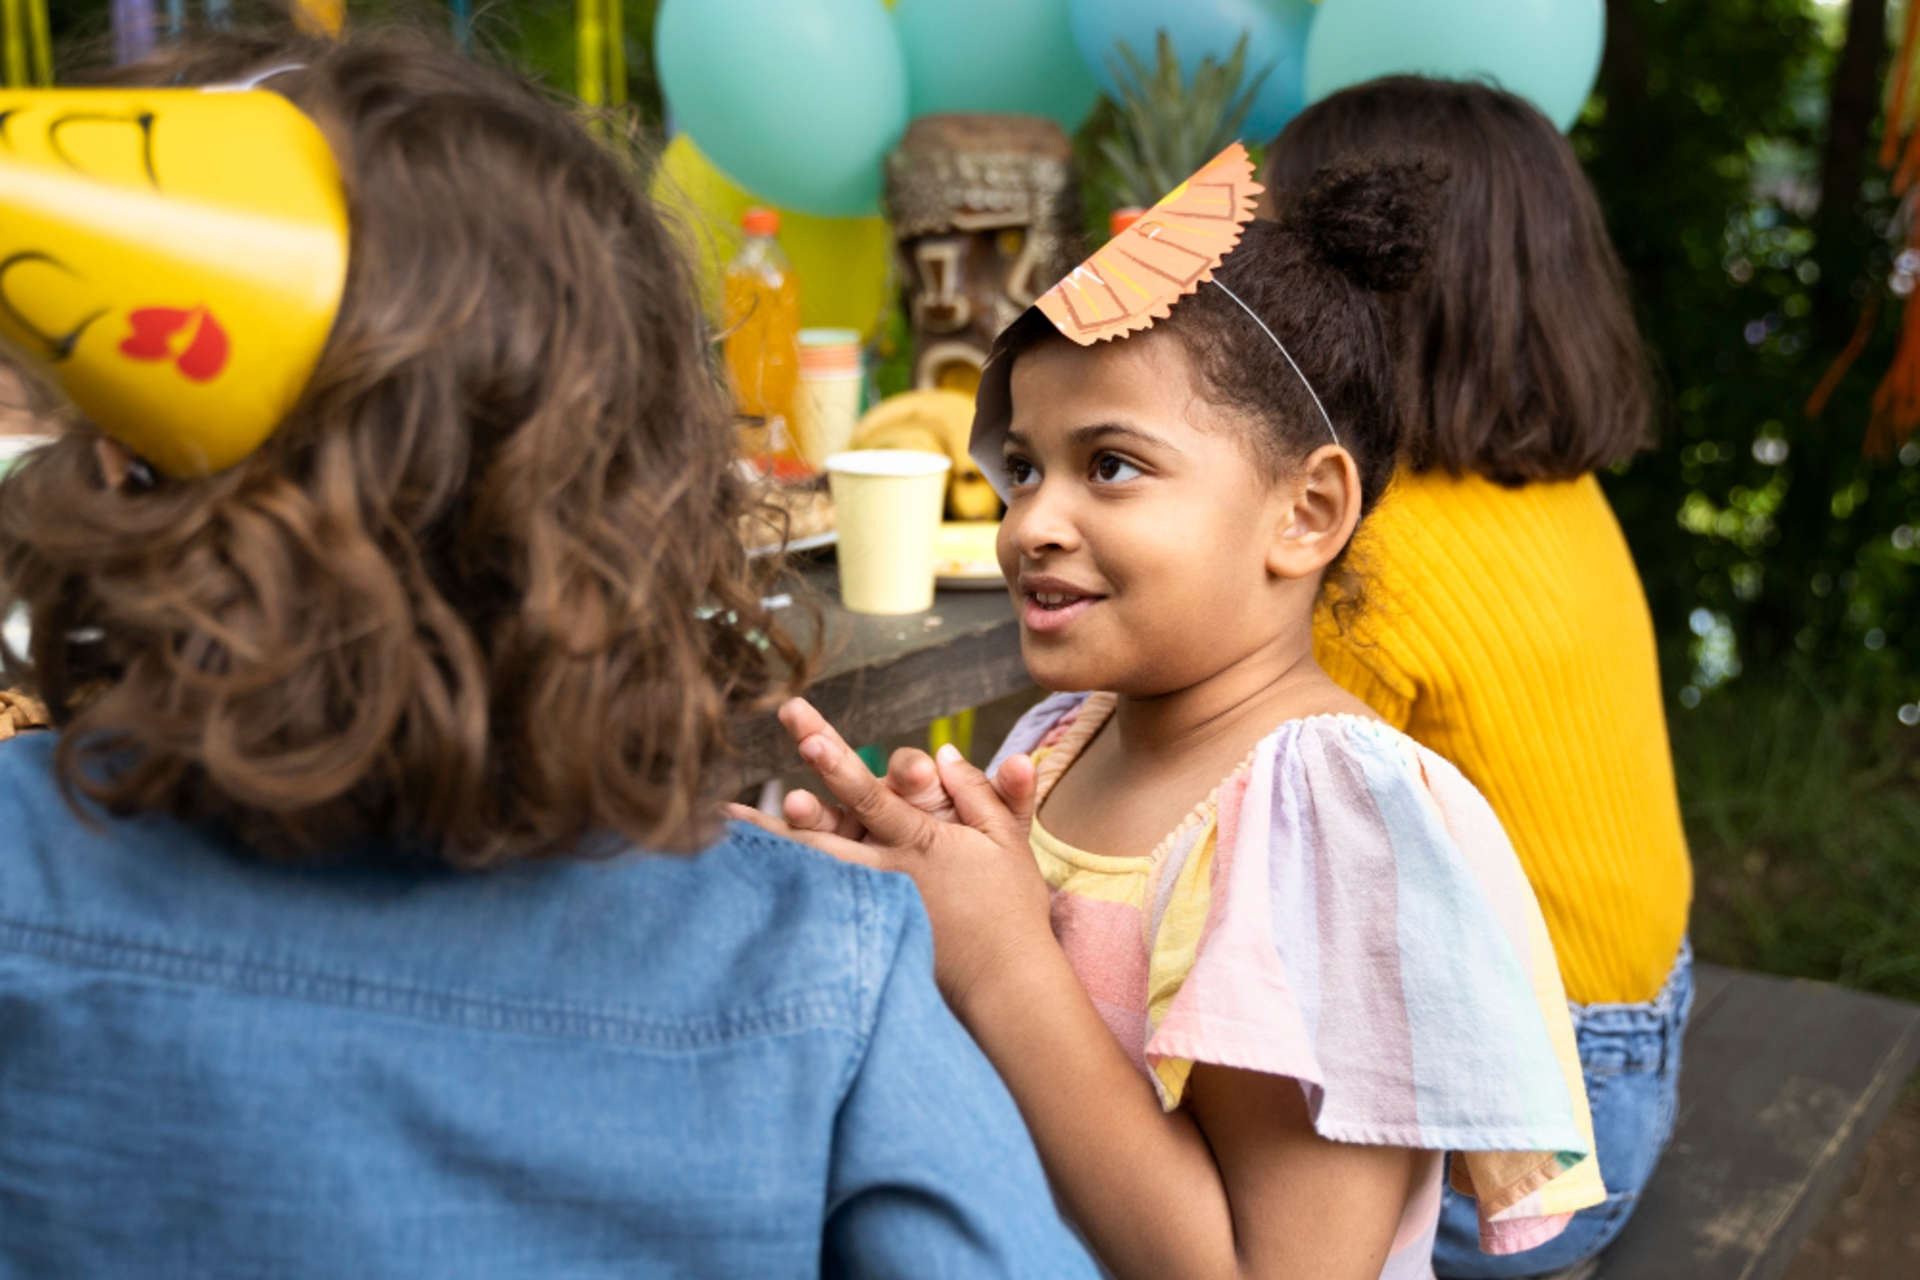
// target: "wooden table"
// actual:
[[881, 677]]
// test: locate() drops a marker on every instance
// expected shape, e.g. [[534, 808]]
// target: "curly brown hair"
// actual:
[[481, 596], [1518, 356]]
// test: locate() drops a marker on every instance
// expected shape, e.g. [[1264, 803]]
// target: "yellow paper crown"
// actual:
[[172, 258]]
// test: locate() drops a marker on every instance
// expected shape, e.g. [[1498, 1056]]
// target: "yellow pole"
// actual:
[[42, 40], [592, 53], [957, 729], [616, 53], [15, 37]]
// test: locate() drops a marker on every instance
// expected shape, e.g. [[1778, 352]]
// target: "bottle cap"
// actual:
[[761, 222]]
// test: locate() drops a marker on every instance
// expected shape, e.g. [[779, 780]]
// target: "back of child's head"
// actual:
[[1517, 354], [455, 603]]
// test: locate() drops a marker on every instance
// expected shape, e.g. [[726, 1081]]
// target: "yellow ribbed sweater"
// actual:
[[1507, 630]]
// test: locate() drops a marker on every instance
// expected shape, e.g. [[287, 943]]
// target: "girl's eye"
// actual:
[[1110, 468], [1019, 472]]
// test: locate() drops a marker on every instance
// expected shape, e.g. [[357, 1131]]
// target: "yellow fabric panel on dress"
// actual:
[[1175, 944], [1508, 631]]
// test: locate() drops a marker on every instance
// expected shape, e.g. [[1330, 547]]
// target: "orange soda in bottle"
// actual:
[[763, 341]]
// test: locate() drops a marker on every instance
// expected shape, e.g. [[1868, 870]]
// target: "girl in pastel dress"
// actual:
[[1251, 961]]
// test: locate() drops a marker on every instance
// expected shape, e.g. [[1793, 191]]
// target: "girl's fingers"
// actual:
[[914, 779], [749, 814], [806, 811], [826, 842], [802, 721], [888, 819], [1017, 782], [974, 799]]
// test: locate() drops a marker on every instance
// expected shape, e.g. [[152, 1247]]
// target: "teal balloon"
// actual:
[[1546, 51], [1276, 32], [994, 55], [798, 102]]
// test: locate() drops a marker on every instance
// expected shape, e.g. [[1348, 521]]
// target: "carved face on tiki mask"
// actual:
[[985, 211]]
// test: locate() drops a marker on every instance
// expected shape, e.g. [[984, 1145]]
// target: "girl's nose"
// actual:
[[1042, 521]]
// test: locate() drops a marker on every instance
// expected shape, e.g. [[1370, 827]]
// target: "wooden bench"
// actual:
[[1782, 1084]]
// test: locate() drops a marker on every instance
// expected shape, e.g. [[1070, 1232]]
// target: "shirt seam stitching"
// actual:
[[813, 1011]]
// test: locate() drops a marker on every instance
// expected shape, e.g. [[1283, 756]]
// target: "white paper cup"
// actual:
[[887, 505]]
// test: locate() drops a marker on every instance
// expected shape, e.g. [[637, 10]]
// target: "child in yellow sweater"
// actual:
[[1505, 626]]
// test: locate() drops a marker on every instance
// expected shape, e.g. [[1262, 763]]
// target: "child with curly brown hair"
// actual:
[[387, 594], [1250, 960]]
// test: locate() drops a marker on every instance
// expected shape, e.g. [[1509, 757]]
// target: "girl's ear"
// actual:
[[1318, 515]]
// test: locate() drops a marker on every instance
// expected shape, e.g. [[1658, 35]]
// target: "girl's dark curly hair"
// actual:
[[1359, 229], [481, 596]]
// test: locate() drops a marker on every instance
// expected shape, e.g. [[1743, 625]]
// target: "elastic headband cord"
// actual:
[[255, 80], [1288, 354]]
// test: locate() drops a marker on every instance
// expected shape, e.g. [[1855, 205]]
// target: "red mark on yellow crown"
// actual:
[[153, 330]]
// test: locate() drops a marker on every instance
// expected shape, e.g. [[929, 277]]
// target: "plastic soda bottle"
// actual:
[[763, 339]]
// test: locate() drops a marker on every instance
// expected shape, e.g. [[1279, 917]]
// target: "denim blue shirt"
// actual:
[[729, 1065]]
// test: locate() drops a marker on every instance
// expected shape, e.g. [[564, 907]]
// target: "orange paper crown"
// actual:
[[1130, 282], [173, 259]]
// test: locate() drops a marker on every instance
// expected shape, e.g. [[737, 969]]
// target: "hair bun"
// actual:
[[1372, 218]]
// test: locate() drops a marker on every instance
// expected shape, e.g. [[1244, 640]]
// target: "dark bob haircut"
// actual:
[[1516, 351]]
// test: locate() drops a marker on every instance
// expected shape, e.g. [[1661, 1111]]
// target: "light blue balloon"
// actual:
[[1276, 32], [994, 55], [1547, 51], [798, 102]]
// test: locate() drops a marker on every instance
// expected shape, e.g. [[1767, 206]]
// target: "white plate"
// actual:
[[970, 583], [813, 543]]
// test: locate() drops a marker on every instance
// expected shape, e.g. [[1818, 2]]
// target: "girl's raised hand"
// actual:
[[913, 776], [975, 873]]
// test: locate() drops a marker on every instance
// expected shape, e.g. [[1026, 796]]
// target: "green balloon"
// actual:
[[1015, 56], [1546, 51], [797, 102]]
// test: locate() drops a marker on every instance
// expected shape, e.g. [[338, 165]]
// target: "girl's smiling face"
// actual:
[[1141, 524]]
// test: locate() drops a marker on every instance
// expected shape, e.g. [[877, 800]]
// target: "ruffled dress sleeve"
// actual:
[[1043, 725], [1365, 928]]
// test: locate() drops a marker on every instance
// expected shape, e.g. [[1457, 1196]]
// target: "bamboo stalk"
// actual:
[[42, 41], [616, 53], [592, 36], [16, 42]]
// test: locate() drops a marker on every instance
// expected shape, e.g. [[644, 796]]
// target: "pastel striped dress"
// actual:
[[1344, 910]]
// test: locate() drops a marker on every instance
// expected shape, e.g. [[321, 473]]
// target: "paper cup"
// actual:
[[826, 404], [887, 505]]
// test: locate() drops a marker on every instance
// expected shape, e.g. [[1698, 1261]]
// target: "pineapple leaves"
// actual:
[[1169, 126]]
